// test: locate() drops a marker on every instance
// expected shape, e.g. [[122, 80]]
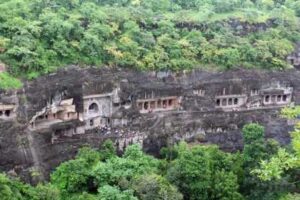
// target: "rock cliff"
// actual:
[[46, 121]]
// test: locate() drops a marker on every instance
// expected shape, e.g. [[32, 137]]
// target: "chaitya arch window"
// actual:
[[93, 108]]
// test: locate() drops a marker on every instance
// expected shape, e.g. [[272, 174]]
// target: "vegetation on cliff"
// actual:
[[38, 36], [184, 172], [9, 82], [284, 160]]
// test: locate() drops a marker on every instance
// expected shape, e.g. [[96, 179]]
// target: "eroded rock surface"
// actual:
[[44, 123]]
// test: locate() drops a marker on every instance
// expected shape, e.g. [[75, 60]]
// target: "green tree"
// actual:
[[107, 150], [197, 172], [14, 189], [72, 176], [91, 156], [256, 149], [112, 193], [120, 171], [148, 187], [46, 192], [279, 164]]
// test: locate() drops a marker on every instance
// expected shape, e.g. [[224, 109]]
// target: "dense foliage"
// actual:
[[185, 172], [9, 82], [285, 159], [37, 36]]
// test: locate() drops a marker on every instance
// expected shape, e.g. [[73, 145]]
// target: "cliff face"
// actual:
[[46, 122]]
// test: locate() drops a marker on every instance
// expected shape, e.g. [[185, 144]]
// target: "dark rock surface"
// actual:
[[197, 119]]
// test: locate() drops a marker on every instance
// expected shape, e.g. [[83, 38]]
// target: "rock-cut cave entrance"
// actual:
[[93, 108]]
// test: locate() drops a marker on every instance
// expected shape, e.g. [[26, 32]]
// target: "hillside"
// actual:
[[38, 36], [149, 99]]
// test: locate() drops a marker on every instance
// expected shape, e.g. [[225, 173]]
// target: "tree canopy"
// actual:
[[287, 159], [184, 172], [39, 36]]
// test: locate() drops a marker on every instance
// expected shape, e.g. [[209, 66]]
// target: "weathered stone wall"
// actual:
[[196, 119]]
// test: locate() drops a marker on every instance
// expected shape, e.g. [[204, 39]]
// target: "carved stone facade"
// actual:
[[158, 104], [57, 112], [276, 94], [7, 111], [97, 110]]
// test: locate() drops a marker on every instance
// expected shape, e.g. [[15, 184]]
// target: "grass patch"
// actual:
[[8, 82]]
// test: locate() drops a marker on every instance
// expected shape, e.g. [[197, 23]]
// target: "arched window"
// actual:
[[284, 98], [224, 102], [170, 102], [165, 103], [278, 98], [146, 106], [267, 98], [159, 104], [152, 105], [140, 106], [7, 113], [93, 108], [273, 98], [230, 101], [236, 101]]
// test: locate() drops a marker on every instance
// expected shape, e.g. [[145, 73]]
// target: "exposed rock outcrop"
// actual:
[[54, 115]]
